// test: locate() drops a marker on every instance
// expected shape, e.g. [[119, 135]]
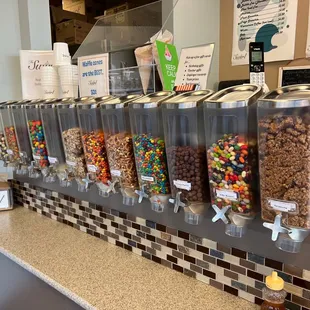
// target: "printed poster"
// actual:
[[94, 75], [31, 63], [194, 65], [270, 21], [168, 58]]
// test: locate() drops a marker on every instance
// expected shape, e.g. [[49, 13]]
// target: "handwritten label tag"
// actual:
[[115, 173], [91, 168], [283, 206], [71, 163], [146, 178], [37, 157], [10, 152], [52, 160], [224, 194], [182, 185]]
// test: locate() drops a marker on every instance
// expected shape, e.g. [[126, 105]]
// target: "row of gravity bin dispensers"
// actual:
[[236, 150]]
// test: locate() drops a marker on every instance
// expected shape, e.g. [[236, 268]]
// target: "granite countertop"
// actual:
[[98, 275]]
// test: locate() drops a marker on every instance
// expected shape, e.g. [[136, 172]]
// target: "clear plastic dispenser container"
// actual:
[[231, 141], [10, 135], [21, 130], [72, 143], [186, 153], [118, 140], [149, 148], [94, 144], [36, 138], [284, 145], [56, 155]]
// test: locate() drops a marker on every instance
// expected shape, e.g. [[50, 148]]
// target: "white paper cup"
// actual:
[[69, 90], [61, 55], [50, 91]]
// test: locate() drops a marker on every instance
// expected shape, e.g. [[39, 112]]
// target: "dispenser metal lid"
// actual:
[[188, 100], [119, 103], [33, 104], [49, 103], [66, 103], [83, 99], [152, 100], [104, 98], [234, 97], [7, 104], [293, 96]]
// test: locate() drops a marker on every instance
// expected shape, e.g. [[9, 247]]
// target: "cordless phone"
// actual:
[[256, 64]]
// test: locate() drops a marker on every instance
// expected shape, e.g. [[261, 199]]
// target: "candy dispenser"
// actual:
[[94, 145], [72, 143], [21, 129], [149, 148], [4, 156], [231, 142], [56, 156], [284, 131], [118, 139], [185, 147], [10, 135]]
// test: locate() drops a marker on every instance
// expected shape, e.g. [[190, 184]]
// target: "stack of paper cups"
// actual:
[[69, 80], [61, 54], [49, 82]]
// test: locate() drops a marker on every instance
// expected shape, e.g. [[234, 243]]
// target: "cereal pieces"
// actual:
[[12, 142]]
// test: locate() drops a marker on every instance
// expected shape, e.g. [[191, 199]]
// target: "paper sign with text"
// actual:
[[168, 58], [194, 65], [94, 75]]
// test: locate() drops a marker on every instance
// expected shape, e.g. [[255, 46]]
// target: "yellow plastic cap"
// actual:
[[274, 282]]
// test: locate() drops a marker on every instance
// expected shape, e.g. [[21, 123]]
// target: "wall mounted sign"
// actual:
[[168, 59], [31, 63], [194, 65], [94, 75], [271, 22]]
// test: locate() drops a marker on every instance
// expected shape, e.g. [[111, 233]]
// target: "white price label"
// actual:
[[115, 173], [146, 178], [283, 206], [52, 160], [91, 168], [182, 185], [225, 194], [10, 152], [37, 157], [71, 163]]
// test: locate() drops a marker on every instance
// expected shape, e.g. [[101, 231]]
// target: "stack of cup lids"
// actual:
[[69, 80], [49, 82], [61, 54]]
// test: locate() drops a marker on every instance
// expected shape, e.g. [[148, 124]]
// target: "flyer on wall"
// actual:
[[270, 21]]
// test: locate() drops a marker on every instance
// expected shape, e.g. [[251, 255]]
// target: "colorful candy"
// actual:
[[12, 142], [3, 149], [38, 143], [151, 163], [96, 156], [230, 174]]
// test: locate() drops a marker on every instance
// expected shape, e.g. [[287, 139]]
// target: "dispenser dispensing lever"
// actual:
[[220, 214], [276, 227], [177, 202], [141, 193]]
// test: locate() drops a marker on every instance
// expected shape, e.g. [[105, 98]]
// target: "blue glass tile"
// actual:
[[285, 276], [150, 224], [256, 258], [114, 212], [238, 285], [216, 253], [132, 243]]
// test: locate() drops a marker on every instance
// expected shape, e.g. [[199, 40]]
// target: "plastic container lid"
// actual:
[[274, 282]]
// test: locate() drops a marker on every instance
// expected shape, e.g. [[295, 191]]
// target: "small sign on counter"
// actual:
[[194, 65], [94, 75]]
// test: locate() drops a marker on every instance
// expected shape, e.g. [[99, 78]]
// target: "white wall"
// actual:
[[10, 85], [24, 24], [197, 22]]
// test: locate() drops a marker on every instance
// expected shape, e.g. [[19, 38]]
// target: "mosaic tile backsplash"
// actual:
[[229, 269]]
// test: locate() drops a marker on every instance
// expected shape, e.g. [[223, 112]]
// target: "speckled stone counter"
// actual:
[[98, 275]]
